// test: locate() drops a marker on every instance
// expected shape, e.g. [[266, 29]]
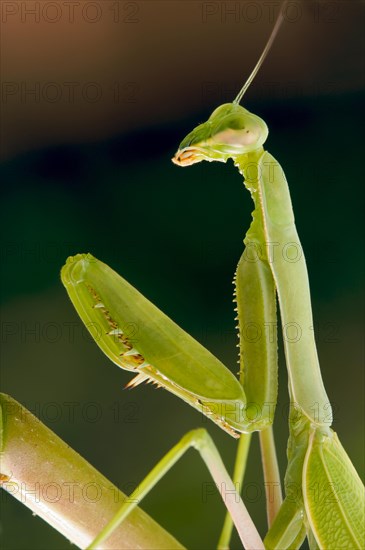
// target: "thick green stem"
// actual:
[[57, 484]]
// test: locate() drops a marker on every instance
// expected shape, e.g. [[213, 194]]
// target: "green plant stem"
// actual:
[[57, 484]]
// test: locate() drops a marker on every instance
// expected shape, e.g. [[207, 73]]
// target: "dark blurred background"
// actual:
[[96, 97]]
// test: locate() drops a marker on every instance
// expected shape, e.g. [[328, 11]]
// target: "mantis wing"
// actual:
[[333, 493], [288, 530]]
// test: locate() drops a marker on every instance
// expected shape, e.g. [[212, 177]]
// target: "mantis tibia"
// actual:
[[324, 495]]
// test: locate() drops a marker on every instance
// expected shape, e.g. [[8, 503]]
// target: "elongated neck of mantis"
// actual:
[[265, 179]]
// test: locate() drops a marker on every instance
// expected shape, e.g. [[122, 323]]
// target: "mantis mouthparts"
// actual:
[[187, 156]]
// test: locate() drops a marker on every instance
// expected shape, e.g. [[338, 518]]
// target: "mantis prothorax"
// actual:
[[332, 515]]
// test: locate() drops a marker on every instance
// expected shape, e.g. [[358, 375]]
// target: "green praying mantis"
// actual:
[[324, 497]]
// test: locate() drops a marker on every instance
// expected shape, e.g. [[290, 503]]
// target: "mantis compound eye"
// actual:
[[245, 136], [237, 129]]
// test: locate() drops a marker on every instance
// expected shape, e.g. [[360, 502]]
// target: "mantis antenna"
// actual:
[[267, 48]]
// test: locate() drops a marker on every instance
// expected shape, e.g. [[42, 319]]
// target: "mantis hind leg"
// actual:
[[238, 475], [202, 442]]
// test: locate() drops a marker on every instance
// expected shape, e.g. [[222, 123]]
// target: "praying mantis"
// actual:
[[324, 497]]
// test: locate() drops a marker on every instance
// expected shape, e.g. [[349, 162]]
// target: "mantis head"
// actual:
[[230, 131]]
